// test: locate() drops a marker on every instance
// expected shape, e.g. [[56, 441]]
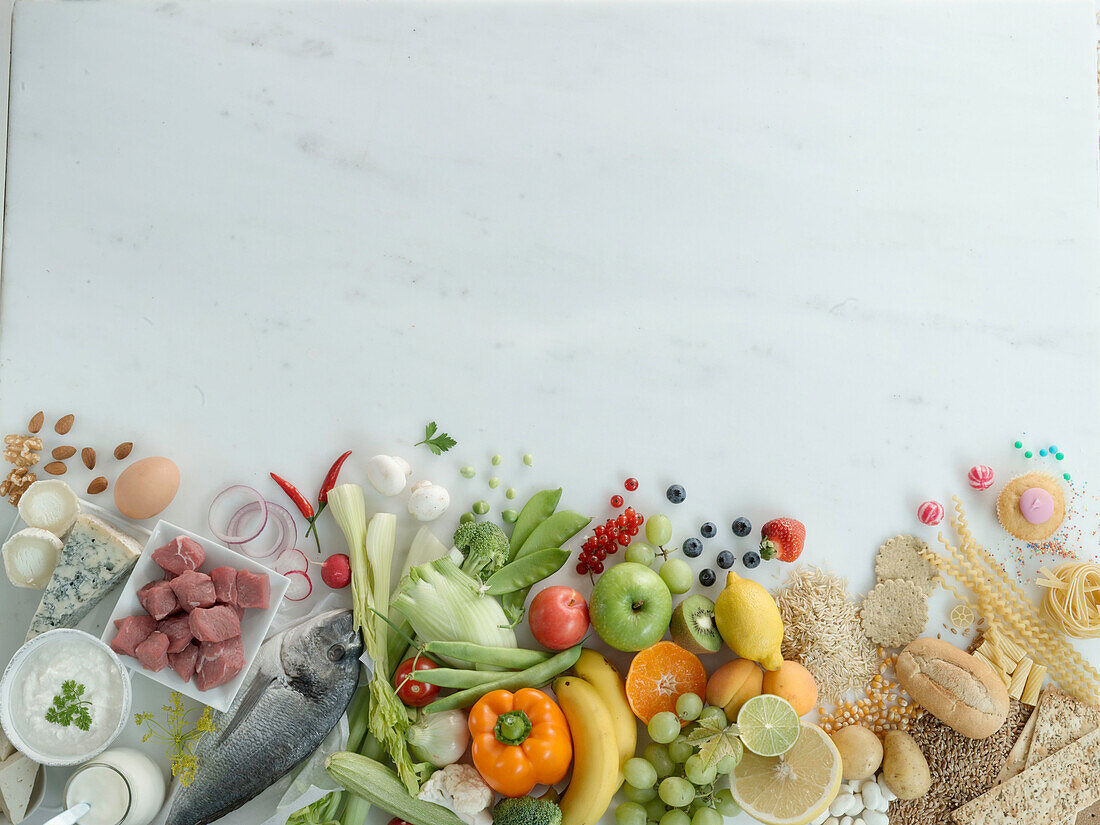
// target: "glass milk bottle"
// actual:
[[122, 785]]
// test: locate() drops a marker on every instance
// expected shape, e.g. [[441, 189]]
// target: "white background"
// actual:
[[804, 259]]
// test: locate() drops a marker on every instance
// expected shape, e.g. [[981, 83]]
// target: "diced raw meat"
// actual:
[[158, 599], [132, 631], [215, 624], [253, 589], [218, 663], [180, 554], [178, 631], [225, 584], [184, 661], [153, 652], [193, 589]]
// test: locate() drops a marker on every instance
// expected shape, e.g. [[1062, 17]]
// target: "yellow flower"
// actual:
[[178, 734]]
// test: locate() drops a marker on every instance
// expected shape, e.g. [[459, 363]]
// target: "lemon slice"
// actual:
[[791, 789], [769, 725]]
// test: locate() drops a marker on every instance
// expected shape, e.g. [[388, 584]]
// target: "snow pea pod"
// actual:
[[514, 658], [526, 571], [537, 509], [533, 677], [554, 531]]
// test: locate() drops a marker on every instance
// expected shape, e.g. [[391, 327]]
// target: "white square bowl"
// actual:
[[254, 623]]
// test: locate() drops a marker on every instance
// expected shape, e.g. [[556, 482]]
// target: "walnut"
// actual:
[[22, 450], [16, 483]]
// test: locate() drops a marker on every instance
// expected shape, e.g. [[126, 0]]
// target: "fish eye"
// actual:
[[336, 653]]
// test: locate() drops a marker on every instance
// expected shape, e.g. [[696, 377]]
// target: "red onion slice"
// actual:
[[290, 561], [279, 516], [233, 534], [300, 586]]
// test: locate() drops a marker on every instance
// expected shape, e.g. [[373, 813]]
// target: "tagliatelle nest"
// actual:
[[894, 613]]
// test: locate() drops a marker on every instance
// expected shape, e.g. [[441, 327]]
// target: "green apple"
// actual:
[[630, 607]]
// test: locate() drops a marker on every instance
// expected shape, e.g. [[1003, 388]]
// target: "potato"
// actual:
[[904, 767], [860, 751]]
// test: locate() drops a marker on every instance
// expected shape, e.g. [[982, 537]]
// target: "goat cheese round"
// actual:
[[67, 698]]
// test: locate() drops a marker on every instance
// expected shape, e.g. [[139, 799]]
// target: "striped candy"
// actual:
[[930, 513], [980, 477]]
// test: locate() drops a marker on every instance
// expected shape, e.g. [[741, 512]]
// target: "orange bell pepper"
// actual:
[[519, 740]]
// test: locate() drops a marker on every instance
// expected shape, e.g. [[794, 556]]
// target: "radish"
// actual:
[[336, 571], [291, 561], [300, 586]]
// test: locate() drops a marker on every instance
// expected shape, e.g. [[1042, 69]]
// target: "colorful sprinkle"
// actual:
[[1042, 453], [1059, 456], [1065, 476], [1027, 453], [1019, 444]]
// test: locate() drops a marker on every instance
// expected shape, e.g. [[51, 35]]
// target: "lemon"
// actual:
[[791, 789], [768, 725], [748, 619]]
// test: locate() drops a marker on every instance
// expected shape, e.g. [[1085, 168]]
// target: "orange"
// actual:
[[661, 674]]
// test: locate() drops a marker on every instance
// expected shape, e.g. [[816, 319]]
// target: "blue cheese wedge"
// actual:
[[17, 775], [94, 559]]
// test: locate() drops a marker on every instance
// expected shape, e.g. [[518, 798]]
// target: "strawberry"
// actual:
[[783, 539]]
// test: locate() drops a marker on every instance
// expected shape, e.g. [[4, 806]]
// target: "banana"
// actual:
[[595, 752], [595, 669]]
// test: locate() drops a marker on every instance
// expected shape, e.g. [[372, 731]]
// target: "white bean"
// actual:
[[872, 796], [841, 804], [875, 818], [845, 820], [822, 818]]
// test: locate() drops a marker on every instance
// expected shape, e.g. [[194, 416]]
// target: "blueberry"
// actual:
[[742, 527], [725, 559], [676, 494], [708, 530], [692, 547], [751, 559], [707, 577]]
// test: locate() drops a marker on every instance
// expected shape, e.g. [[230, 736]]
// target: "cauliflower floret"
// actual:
[[461, 789]]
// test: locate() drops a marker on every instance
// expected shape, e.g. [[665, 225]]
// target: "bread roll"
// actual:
[[955, 687]]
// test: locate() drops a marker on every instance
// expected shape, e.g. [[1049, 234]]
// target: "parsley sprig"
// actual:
[[69, 708], [438, 444]]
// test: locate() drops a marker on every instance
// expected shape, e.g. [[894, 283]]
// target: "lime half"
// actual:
[[769, 725]]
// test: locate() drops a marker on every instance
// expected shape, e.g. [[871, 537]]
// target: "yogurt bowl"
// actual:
[[64, 697]]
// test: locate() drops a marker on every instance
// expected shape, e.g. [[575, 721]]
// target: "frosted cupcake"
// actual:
[[1032, 506]]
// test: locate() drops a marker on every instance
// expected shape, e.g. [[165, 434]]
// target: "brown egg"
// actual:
[[146, 487]]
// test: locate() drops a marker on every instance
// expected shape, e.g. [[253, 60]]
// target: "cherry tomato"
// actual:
[[413, 693], [396, 821]]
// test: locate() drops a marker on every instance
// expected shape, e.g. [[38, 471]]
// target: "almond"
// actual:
[[123, 449], [87, 455], [56, 468], [64, 424], [98, 485], [36, 421], [62, 453]]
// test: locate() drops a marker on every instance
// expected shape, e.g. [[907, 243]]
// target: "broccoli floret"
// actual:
[[526, 810], [484, 546]]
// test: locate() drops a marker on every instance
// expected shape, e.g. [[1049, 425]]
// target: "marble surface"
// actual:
[[804, 258]]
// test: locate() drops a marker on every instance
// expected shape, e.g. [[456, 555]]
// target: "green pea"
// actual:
[[480, 507], [509, 516], [466, 518], [510, 492], [497, 459], [467, 471], [528, 459], [494, 482], [526, 571]]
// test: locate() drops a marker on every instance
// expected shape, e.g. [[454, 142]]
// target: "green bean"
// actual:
[[526, 571], [515, 658], [448, 677], [537, 509], [533, 677]]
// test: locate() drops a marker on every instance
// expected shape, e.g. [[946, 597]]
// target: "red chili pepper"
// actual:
[[330, 480], [303, 505]]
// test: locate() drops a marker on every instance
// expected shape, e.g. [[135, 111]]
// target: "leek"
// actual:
[[350, 511], [425, 547], [444, 604]]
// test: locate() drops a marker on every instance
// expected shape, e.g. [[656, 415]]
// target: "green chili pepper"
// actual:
[[533, 677], [527, 571], [514, 658]]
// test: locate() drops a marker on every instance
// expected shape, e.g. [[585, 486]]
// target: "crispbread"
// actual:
[[1051, 791], [1017, 757], [1060, 720], [894, 613], [902, 558]]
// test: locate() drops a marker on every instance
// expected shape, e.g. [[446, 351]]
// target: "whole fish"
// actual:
[[297, 690]]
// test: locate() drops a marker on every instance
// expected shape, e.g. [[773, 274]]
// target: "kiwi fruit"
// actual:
[[693, 627]]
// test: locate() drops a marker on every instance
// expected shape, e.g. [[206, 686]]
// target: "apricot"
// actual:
[[733, 684], [794, 683]]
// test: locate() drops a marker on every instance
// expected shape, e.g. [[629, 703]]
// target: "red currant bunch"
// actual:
[[606, 540]]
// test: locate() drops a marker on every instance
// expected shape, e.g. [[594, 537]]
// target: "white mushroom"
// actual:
[[428, 501], [387, 474]]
